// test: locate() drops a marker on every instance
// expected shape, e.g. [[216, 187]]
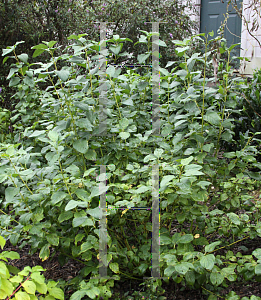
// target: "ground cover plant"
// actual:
[[50, 168]]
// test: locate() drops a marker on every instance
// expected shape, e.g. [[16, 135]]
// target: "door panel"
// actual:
[[212, 15]]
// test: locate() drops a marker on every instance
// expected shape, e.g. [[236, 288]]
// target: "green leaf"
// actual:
[[29, 287], [165, 240], [207, 261], [90, 154], [11, 254], [124, 135], [110, 71], [11, 72], [14, 81], [158, 152], [258, 269], [124, 123], [44, 252], [142, 58], [51, 44], [2, 242], [186, 161], [257, 253], [82, 194], [95, 212], [9, 50], [37, 133], [234, 218], [40, 46], [216, 278], [65, 216], [212, 117], [57, 197], [82, 221], [183, 267], [98, 190], [53, 136], [187, 238], [22, 296], [169, 271], [72, 204], [190, 277], [10, 193], [53, 239], [165, 180], [160, 43], [57, 293], [142, 189], [38, 52], [212, 246], [23, 57], [81, 145], [63, 74], [114, 267], [84, 123]]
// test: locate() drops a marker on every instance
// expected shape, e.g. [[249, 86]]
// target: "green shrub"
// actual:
[[51, 170]]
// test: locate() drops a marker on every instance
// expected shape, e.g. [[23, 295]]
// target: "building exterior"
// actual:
[[211, 13]]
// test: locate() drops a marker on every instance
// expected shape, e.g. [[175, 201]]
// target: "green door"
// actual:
[[213, 13]]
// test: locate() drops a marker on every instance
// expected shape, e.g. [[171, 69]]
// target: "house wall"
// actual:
[[250, 47]]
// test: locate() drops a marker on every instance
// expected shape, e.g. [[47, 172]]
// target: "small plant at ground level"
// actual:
[[28, 284]]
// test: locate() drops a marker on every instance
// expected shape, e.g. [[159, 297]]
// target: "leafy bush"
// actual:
[[248, 111], [52, 177]]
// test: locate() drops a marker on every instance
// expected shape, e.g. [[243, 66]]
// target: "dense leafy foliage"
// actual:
[[41, 20], [50, 167]]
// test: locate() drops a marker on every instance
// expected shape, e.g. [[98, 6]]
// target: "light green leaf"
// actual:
[[216, 278], [81, 145], [258, 269], [14, 81], [114, 267], [29, 287], [212, 246], [187, 238], [10, 193], [124, 123], [65, 216], [124, 135], [234, 218], [23, 57], [53, 136], [142, 58], [2, 242], [207, 261], [110, 71], [57, 197], [22, 296], [57, 293], [44, 252], [158, 152], [53, 239], [72, 204], [165, 240], [82, 194], [212, 117], [142, 189], [63, 74], [183, 267], [165, 180], [186, 161]]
